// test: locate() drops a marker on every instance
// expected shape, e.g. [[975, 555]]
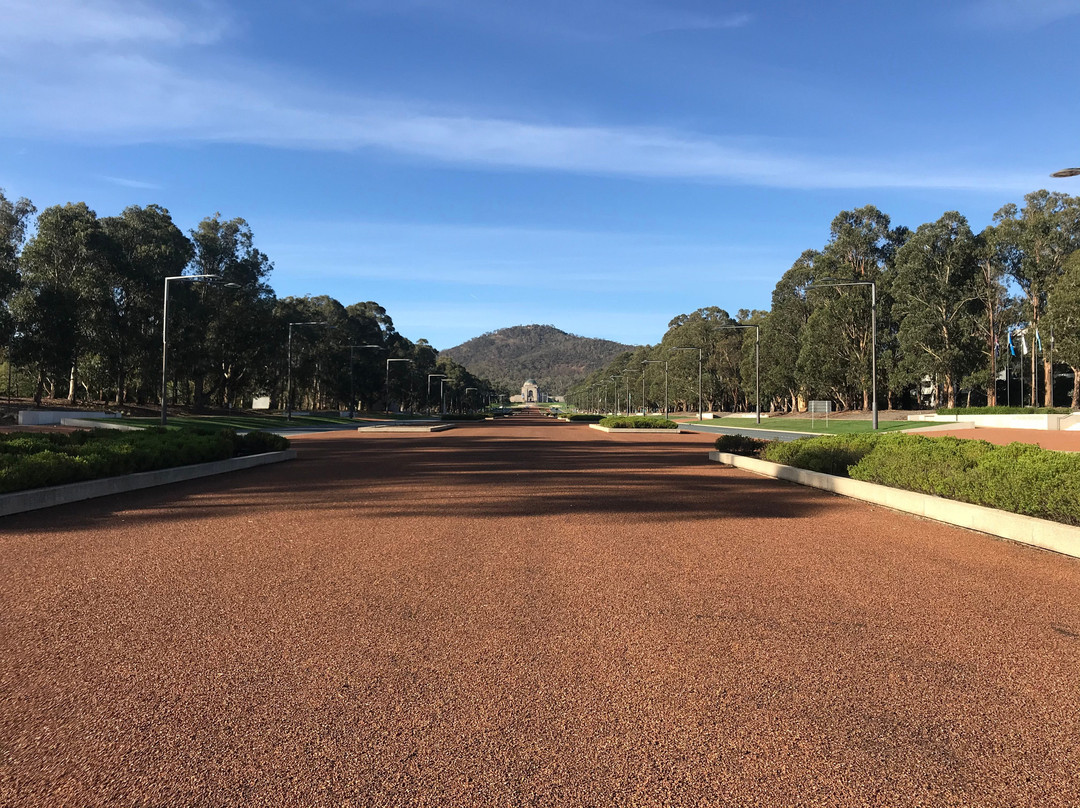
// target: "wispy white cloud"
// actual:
[[1022, 14], [129, 183], [125, 91], [33, 23]]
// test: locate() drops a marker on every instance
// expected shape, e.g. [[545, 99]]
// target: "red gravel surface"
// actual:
[[527, 613], [1061, 440]]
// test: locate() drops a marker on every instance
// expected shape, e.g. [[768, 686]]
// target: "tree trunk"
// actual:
[[39, 390], [73, 381], [1048, 383], [1076, 388]]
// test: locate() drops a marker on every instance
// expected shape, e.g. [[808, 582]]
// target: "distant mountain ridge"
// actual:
[[554, 358]]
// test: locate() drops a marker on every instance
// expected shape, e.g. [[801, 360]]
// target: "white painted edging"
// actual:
[[21, 501], [1043, 533], [87, 423]]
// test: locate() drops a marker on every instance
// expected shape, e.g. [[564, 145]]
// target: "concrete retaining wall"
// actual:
[[635, 431], [43, 417], [1024, 529], [21, 501], [1045, 421]]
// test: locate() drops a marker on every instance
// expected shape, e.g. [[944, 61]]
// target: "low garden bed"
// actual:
[[637, 422], [36, 460], [1019, 478]]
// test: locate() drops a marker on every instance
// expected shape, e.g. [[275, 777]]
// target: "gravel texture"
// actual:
[[527, 613]]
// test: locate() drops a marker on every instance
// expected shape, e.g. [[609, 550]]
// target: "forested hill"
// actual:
[[552, 357]]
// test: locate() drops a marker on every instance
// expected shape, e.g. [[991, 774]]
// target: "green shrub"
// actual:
[[1019, 477], [261, 442], [38, 460], [829, 454], [740, 445], [637, 422]]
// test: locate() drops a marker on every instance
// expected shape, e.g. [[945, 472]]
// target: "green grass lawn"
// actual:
[[837, 426], [241, 422]]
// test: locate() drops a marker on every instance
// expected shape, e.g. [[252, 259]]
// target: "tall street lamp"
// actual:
[[656, 362], [685, 348], [467, 389], [352, 389], [388, 361], [757, 366], [615, 406], [434, 376], [288, 383], [165, 331], [873, 331], [624, 374]]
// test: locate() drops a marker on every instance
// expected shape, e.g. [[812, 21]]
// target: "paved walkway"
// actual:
[[527, 612]]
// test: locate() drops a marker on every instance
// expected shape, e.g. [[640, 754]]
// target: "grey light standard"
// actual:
[[656, 362], [429, 378], [685, 348], [757, 366], [352, 389], [626, 373], [615, 406], [388, 361], [467, 389], [165, 332], [288, 383], [873, 331]]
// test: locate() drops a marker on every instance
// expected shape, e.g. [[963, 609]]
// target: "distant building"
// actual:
[[530, 394]]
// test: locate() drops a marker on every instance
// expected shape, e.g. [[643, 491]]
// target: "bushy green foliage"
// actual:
[[829, 454], [584, 417], [740, 445], [1003, 411], [637, 422], [1019, 477], [260, 443], [36, 460]]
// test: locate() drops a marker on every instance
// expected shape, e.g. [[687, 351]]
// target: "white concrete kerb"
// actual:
[[1043, 533]]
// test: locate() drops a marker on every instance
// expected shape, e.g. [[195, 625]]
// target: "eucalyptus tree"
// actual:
[[63, 266], [233, 316], [994, 302], [720, 352], [1063, 319], [147, 248], [936, 291], [836, 342], [14, 218], [1033, 243], [781, 332]]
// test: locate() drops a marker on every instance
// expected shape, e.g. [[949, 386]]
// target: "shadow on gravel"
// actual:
[[477, 473]]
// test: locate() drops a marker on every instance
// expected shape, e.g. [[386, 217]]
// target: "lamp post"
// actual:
[[288, 382], [873, 332], [665, 364], [686, 348], [626, 373], [433, 376], [352, 389], [615, 379], [165, 333], [757, 366], [388, 361], [442, 395], [467, 389]]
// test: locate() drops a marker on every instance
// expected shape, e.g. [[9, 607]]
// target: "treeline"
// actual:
[[82, 302], [952, 308]]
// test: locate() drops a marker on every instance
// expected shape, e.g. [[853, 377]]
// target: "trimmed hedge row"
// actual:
[[1004, 411], [590, 418], [637, 422], [1019, 478], [37, 460], [741, 445]]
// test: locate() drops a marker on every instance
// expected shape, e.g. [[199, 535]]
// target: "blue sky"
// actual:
[[600, 165]]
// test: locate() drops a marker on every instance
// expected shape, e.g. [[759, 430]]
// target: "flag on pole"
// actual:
[[1038, 340], [1023, 343], [1012, 348]]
